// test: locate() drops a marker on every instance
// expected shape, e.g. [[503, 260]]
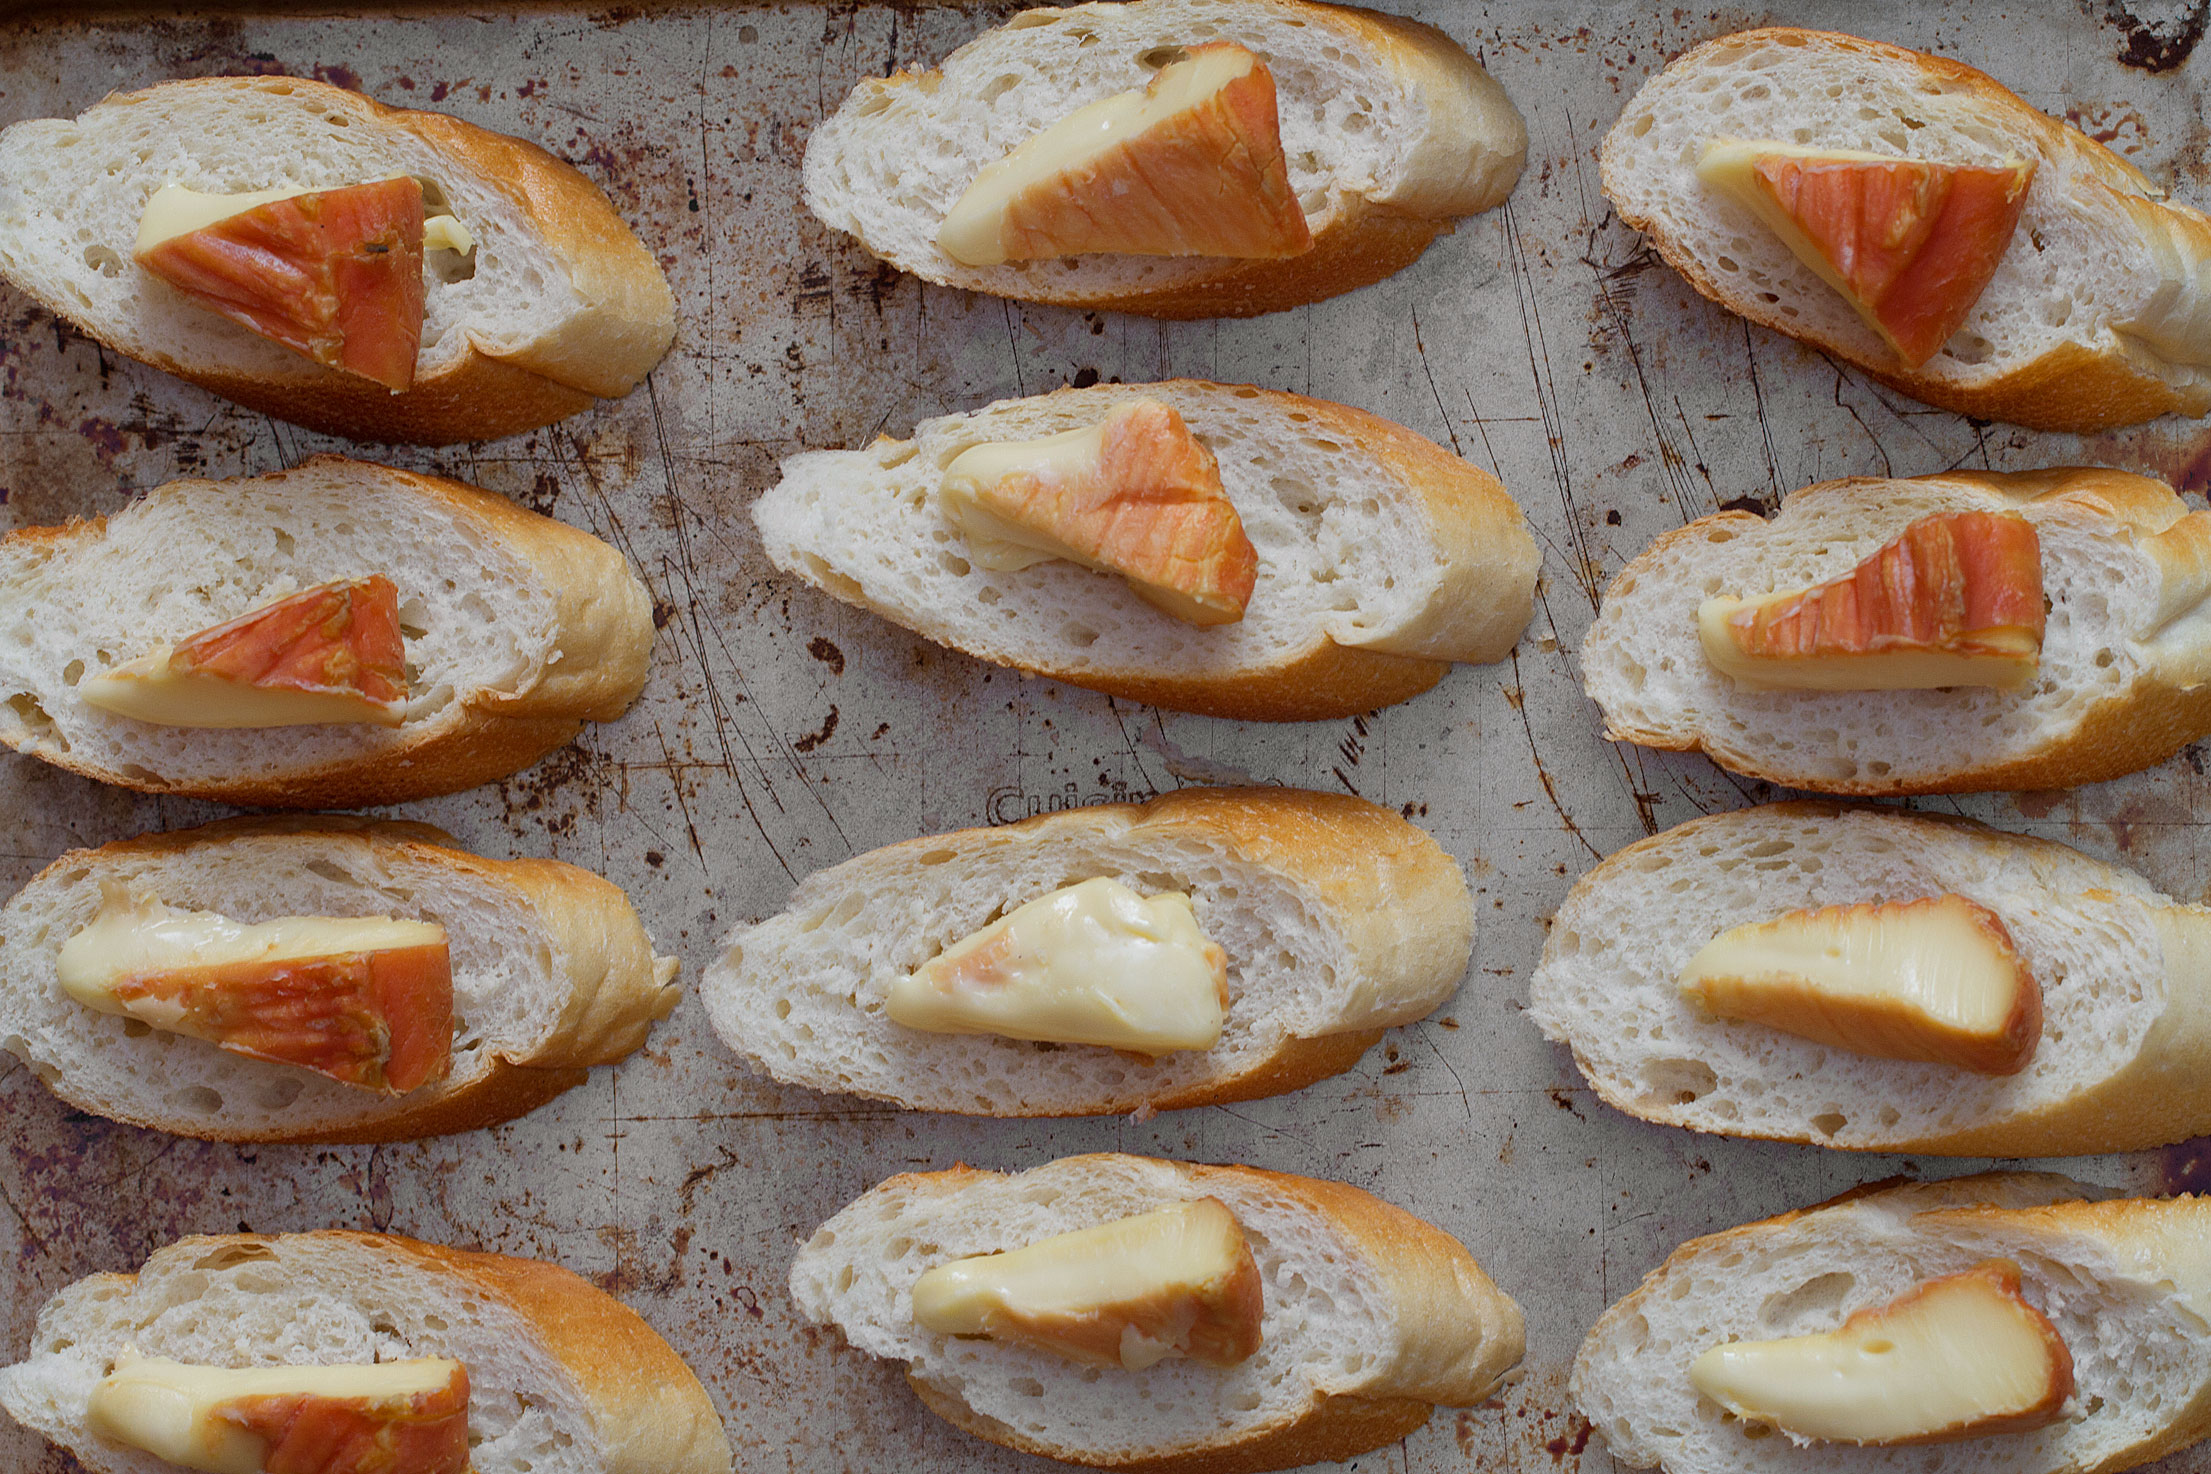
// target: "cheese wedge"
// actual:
[[1135, 495], [364, 1000], [174, 210], [1177, 1282], [1935, 980], [1191, 165], [1909, 244], [1963, 1356], [1954, 600], [400, 1417], [329, 655], [1090, 963]]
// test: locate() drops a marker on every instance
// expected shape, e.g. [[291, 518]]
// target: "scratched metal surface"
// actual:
[[783, 732]]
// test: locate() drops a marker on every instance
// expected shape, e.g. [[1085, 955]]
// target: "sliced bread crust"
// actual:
[[2124, 1062], [1392, 132], [2099, 314], [525, 628], [1339, 920], [564, 1378], [552, 973], [1382, 557], [1372, 1317], [2125, 679], [2126, 1282], [562, 302]]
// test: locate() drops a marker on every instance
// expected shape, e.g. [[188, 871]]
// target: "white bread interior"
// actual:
[[2127, 1284], [2095, 270], [1364, 926], [1342, 1318], [325, 1298], [2125, 980], [525, 987], [1367, 120], [2120, 570], [1351, 550], [482, 607]]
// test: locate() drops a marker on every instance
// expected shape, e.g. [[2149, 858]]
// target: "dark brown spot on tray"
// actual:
[[2156, 46], [828, 654]]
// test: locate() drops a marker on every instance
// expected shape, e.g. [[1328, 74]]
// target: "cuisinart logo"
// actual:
[[1009, 805]]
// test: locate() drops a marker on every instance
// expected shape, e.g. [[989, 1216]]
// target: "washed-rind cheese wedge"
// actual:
[[559, 302], [1380, 557], [2124, 973], [551, 974], [1334, 917], [1191, 165], [2122, 1284], [2098, 313], [2122, 671], [1371, 1318], [516, 630], [1960, 1356], [561, 1377], [1390, 130]]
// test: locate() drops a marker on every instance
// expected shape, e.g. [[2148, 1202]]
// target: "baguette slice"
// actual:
[[2099, 313], [2126, 652], [564, 1378], [552, 974], [528, 628], [1391, 130], [559, 303], [2126, 1283], [2124, 1062], [1339, 920], [1372, 1317], [1382, 558]]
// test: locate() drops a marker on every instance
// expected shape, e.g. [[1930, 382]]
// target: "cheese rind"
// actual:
[[1135, 495], [1180, 1281], [1963, 1356], [1935, 979], [1189, 165], [1090, 963], [176, 1410]]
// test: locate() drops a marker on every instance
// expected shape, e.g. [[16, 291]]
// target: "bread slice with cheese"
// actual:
[[2099, 312], [2125, 1283], [563, 1378], [552, 973], [2124, 677], [558, 304], [1390, 131], [518, 630], [1338, 920], [1371, 1317], [1382, 558], [2124, 1058]]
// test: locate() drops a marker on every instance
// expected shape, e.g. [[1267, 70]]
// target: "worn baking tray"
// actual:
[[783, 732]]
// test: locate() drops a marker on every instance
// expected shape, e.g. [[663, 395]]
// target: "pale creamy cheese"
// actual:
[[137, 936], [1091, 963], [168, 1408], [1960, 1357], [2008, 659], [971, 233], [1730, 166], [993, 541], [1935, 979], [174, 210], [152, 689], [1132, 1291]]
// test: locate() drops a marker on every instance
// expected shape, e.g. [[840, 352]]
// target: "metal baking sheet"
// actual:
[[783, 732]]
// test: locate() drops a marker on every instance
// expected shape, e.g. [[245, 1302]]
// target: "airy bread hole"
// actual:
[[197, 1100], [37, 723], [230, 1256], [1677, 1081], [1162, 56], [1827, 1123], [105, 260], [1820, 1296]]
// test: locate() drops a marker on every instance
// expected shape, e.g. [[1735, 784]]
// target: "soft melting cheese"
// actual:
[[1963, 1356], [1935, 979], [137, 937], [1180, 1281], [169, 1408], [1091, 963], [174, 210], [996, 542], [152, 688]]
